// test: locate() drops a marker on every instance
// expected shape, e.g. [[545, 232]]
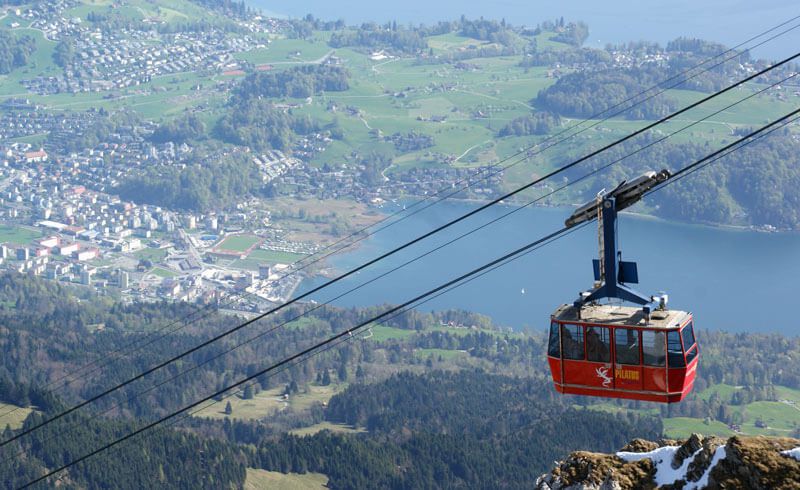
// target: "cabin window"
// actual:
[[675, 350], [598, 344], [626, 342], [691, 355], [572, 341], [653, 348], [687, 333], [554, 349]]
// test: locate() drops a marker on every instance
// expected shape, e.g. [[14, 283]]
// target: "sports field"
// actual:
[[17, 234], [240, 245]]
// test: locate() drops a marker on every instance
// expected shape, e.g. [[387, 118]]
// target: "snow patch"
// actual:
[[662, 460], [719, 454], [792, 453], [665, 473]]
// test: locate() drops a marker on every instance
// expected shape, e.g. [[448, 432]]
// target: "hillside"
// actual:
[[697, 462], [432, 398], [190, 93], [169, 168]]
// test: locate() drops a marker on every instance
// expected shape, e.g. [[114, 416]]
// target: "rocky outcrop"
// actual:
[[697, 462]]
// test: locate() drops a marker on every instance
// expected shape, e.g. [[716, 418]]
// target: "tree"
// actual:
[[64, 53], [180, 130], [228, 408]]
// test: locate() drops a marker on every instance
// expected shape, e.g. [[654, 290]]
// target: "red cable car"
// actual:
[[616, 351]]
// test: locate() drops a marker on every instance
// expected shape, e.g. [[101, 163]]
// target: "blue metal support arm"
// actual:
[[613, 272]]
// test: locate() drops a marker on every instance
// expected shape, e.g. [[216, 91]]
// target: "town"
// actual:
[[59, 177]]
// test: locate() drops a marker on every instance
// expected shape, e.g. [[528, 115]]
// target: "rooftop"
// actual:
[[621, 315]]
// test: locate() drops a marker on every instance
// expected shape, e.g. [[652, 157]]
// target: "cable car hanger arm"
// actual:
[[611, 272]]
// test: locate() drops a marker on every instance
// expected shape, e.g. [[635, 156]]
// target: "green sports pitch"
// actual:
[[238, 245]]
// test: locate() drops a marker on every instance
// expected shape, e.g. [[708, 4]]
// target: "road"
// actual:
[[190, 244], [470, 149]]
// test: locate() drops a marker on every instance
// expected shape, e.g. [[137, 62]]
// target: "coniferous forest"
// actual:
[[485, 420]]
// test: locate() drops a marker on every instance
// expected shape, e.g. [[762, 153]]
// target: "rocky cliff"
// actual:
[[698, 462]]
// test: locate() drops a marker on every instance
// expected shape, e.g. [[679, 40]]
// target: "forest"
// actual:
[[14, 51], [585, 94], [411, 41], [482, 418], [46, 312], [296, 82], [540, 122], [401, 41], [163, 458], [210, 183], [412, 141], [443, 430], [256, 123], [180, 130], [753, 185]]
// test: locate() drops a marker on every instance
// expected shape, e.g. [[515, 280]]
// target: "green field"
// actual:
[[274, 256], [39, 64], [311, 430], [263, 404], [304, 322], [452, 41], [238, 243], [436, 353], [315, 394], [683, 427], [788, 394], [154, 255], [18, 235], [782, 417], [165, 273], [268, 402], [266, 480], [176, 11], [12, 415], [282, 51]]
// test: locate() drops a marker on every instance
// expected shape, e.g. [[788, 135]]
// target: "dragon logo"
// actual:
[[602, 372]]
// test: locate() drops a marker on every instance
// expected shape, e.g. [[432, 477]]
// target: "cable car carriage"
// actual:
[[610, 350]]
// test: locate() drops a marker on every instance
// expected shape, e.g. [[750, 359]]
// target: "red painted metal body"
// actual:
[[628, 359]]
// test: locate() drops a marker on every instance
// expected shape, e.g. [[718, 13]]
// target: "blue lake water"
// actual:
[[731, 280], [617, 21]]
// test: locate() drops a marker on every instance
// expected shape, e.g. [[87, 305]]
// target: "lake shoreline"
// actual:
[[697, 265], [711, 225]]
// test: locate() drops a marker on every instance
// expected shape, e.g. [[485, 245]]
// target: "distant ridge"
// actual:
[[697, 462]]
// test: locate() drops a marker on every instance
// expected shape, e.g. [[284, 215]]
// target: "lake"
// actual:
[[731, 280], [618, 21]]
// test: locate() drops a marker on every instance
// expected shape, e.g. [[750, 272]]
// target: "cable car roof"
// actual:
[[621, 315]]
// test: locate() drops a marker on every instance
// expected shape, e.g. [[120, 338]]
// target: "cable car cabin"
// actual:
[[612, 351], [646, 353]]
